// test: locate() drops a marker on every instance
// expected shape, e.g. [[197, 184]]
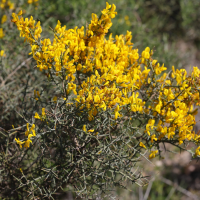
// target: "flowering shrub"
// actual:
[[15, 66], [110, 106]]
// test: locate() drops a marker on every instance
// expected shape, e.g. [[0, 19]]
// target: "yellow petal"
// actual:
[[20, 13]]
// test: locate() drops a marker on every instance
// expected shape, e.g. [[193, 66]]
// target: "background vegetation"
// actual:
[[171, 28]]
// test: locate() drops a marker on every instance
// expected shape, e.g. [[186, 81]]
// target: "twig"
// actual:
[[179, 188], [14, 71], [148, 189]]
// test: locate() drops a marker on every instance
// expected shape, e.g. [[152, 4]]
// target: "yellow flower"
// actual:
[[3, 19], [153, 154], [1, 33], [2, 53], [171, 132], [153, 137], [116, 112], [159, 69], [154, 62], [33, 129], [169, 94], [145, 53], [55, 99], [150, 125], [196, 72], [20, 13], [126, 17], [36, 94], [197, 152], [158, 107], [11, 5], [84, 128], [27, 143], [142, 145], [193, 112], [30, 130], [19, 142], [99, 152], [43, 112], [27, 127], [37, 116]]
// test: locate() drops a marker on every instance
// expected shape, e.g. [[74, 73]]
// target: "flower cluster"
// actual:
[[41, 117], [6, 3], [109, 75], [30, 133], [27, 27]]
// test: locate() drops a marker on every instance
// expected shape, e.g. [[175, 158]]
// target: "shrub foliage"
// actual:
[[108, 107]]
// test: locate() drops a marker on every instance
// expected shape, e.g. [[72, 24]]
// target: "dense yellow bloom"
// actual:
[[159, 69], [109, 75], [196, 72], [168, 94], [24, 26]]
